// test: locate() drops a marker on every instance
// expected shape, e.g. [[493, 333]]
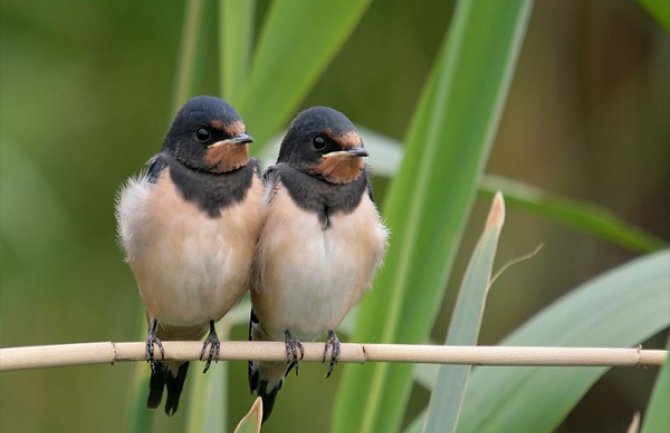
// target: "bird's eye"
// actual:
[[319, 142], [203, 134]]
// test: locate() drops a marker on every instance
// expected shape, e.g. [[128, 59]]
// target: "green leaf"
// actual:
[[190, 61], [617, 309], [660, 10], [657, 418], [578, 215], [430, 200], [298, 40], [236, 25], [251, 423], [445, 402]]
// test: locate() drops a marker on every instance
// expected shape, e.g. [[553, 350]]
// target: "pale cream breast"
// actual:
[[308, 278], [190, 268]]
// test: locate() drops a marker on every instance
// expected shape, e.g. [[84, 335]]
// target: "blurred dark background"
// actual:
[[86, 96]]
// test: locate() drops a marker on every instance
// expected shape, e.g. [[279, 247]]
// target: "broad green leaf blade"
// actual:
[[578, 215], [290, 57], [430, 200], [446, 399], [251, 423], [660, 10], [190, 60], [236, 25], [620, 308], [657, 417]]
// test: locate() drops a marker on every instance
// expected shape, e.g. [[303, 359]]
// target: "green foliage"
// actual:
[[617, 309], [657, 417], [84, 102], [447, 396], [236, 24], [429, 202], [660, 10], [297, 41], [386, 155], [583, 217], [251, 423], [191, 51]]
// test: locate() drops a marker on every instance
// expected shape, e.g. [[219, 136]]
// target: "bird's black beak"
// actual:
[[351, 152], [357, 151], [242, 138], [239, 139]]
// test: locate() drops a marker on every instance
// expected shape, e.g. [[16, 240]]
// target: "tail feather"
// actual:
[[268, 396], [252, 367], [164, 377], [174, 386], [156, 384], [266, 379]]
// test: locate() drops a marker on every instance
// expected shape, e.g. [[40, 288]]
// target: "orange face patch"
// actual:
[[340, 168], [349, 140], [231, 129], [227, 157]]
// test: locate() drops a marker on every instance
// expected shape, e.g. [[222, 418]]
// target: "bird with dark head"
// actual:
[[319, 248], [189, 228]]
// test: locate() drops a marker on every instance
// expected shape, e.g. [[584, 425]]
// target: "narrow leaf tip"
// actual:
[[496, 216]]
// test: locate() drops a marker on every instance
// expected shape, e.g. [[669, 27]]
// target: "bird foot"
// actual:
[[334, 344], [151, 340], [214, 344], [293, 347]]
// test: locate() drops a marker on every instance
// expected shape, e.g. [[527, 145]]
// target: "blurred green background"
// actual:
[[86, 94]]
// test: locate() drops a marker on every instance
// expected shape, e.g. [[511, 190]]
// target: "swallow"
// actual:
[[189, 228], [320, 246]]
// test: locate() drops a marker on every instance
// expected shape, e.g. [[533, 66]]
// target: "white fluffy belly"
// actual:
[[190, 268], [309, 277]]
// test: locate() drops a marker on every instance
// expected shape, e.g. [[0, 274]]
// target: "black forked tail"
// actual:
[[162, 377], [252, 367], [266, 390], [268, 397], [156, 384]]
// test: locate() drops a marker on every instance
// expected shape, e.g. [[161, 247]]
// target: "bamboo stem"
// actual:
[[21, 358]]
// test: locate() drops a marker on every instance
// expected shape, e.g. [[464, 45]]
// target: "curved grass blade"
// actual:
[[446, 399], [236, 25], [580, 216], [251, 423], [429, 202], [291, 56], [657, 417], [619, 308]]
